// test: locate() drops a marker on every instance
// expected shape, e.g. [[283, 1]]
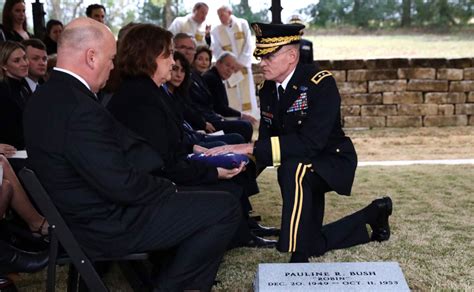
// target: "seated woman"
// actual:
[[12, 259], [14, 21], [202, 59], [145, 62], [178, 87], [14, 93], [54, 28]]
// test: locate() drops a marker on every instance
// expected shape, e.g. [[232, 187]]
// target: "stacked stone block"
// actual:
[[403, 92]]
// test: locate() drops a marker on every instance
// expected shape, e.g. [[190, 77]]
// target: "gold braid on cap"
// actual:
[[277, 41], [261, 52]]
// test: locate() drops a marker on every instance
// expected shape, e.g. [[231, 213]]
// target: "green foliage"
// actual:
[[388, 13], [243, 10], [152, 11]]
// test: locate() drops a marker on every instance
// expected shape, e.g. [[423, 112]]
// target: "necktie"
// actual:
[[281, 91]]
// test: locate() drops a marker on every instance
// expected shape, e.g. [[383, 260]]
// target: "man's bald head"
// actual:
[[87, 47], [81, 33]]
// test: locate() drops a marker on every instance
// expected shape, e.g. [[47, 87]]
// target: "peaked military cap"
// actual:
[[296, 19], [271, 37]]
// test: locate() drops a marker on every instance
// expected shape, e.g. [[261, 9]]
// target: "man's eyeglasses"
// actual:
[[271, 57], [185, 48]]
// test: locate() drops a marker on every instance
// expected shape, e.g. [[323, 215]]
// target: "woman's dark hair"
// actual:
[[51, 23], [7, 15], [205, 49], [183, 89], [139, 47]]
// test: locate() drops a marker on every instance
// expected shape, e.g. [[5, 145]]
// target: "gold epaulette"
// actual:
[[320, 76], [260, 85]]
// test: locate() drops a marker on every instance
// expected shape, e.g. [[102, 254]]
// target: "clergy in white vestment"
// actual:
[[193, 24], [233, 35]]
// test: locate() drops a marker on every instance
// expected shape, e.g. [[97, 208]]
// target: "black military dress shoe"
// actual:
[[256, 241], [6, 285], [381, 228], [261, 230], [25, 262]]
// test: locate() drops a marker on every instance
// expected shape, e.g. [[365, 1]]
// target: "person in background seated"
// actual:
[[54, 28], [300, 133], [202, 59], [215, 77], [14, 93], [97, 12], [178, 87], [38, 61], [201, 97], [233, 35], [12, 259], [106, 180], [14, 21], [19, 202]]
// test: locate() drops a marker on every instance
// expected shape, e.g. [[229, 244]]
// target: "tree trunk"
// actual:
[[167, 13], [406, 13]]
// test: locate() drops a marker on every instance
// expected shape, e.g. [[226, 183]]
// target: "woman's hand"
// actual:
[[210, 128], [223, 173], [7, 150], [199, 149], [237, 148]]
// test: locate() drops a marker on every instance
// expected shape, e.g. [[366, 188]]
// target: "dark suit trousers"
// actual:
[[242, 235], [303, 194], [197, 226], [244, 128]]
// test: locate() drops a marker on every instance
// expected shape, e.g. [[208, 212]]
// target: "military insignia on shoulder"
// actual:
[[320, 76], [260, 85]]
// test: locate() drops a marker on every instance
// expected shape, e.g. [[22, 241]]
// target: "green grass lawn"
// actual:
[[339, 47], [432, 226], [432, 229]]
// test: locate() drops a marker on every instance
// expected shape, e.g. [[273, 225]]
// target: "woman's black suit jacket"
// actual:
[[149, 111]]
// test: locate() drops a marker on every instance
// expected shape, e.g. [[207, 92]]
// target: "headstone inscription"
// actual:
[[305, 277]]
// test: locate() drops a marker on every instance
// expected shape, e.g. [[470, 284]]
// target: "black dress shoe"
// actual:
[[299, 257], [25, 262], [6, 285], [261, 230], [381, 228], [256, 241]]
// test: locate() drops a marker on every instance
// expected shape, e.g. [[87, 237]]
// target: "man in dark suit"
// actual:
[[201, 98], [300, 133], [99, 174], [225, 66]]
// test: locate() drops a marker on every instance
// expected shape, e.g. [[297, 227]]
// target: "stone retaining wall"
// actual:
[[403, 92]]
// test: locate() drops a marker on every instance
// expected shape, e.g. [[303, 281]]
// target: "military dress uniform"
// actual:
[[301, 134]]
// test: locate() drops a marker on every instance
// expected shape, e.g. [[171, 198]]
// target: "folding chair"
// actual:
[[59, 232]]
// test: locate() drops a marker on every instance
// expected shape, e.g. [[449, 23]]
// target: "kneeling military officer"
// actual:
[[301, 134]]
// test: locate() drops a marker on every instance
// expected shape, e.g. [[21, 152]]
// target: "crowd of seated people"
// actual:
[[153, 98], [178, 88]]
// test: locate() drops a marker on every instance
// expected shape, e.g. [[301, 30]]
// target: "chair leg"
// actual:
[[53, 255], [137, 275], [83, 286], [72, 279]]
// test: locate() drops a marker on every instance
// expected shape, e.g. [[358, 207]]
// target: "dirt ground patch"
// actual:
[[413, 143]]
